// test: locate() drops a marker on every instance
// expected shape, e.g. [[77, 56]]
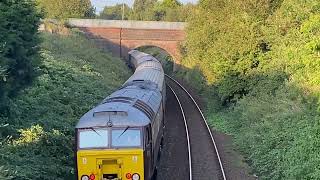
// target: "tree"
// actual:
[[167, 10], [19, 50], [185, 12], [67, 8], [142, 10], [170, 4], [115, 12], [225, 39]]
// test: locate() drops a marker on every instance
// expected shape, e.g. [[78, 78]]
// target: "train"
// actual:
[[121, 138]]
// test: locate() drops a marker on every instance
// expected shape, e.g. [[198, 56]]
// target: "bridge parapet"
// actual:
[[99, 23]]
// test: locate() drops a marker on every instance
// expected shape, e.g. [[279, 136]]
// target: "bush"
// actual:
[[19, 46]]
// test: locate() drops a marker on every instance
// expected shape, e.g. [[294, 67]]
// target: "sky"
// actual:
[[100, 4]]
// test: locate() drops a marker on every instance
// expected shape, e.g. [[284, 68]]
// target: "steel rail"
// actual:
[[187, 132], [205, 121]]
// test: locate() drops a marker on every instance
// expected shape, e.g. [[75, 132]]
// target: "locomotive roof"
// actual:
[[133, 105], [138, 100]]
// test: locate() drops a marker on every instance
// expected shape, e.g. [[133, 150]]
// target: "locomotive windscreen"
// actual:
[[109, 138], [93, 138], [126, 138]]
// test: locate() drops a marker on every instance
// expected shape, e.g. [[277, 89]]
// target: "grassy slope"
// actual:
[[37, 136]]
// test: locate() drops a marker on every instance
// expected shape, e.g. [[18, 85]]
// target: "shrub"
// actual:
[[19, 46]]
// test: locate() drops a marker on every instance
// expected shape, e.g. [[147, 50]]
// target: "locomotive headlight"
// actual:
[[84, 177], [135, 176]]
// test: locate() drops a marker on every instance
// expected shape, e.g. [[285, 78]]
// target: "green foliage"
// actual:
[[3, 74], [37, 136], [115, 12], [142, 10], [180, 14], [67, 8], [278, 133], [257, 65], [4, 174], [166, 10], [19, 56], [224, 50], [149, 10]]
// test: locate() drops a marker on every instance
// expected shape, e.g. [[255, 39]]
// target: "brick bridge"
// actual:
[[120, 37]]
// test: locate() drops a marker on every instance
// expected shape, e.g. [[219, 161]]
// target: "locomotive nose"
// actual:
[[110, 164]]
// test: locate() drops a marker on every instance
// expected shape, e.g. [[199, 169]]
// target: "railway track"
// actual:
[[204, 162]]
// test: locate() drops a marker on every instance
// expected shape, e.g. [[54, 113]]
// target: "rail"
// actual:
[[204, 120], [187, 133]]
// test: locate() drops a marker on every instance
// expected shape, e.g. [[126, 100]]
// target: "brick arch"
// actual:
[[172, 48], [120, 37]]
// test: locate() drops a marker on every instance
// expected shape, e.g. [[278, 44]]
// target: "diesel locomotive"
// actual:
[[120, 139]]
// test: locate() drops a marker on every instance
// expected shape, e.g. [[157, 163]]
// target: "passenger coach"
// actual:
[[121, 137]]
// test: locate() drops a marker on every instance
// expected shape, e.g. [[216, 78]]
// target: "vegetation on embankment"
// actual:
[[37, 133], [257, 63]]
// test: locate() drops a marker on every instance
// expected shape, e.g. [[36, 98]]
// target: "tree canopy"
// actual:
[[167, 10], [115, 12], [67, 8], [142, 10], [150, 10]]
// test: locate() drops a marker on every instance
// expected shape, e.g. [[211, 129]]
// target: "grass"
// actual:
[[37, 136]]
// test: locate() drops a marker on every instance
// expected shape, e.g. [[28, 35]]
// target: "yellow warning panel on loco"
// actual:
[[124, 164]]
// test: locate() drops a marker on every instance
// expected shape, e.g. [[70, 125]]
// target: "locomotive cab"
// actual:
[[112, 153]]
